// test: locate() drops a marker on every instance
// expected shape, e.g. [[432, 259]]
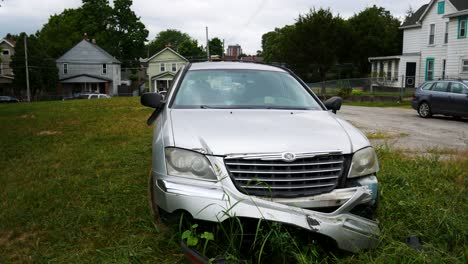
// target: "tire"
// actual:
[[424, 110]]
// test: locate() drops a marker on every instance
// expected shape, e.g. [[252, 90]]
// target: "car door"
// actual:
[[439, 98], [459, 99]]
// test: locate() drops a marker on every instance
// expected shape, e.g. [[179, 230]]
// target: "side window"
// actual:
[[440, 87], [456, 88], [427, 86], [94, 96]]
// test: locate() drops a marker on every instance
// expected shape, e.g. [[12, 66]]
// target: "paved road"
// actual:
[[407, 130]]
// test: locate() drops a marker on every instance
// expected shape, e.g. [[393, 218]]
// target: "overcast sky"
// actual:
[[238, 22]]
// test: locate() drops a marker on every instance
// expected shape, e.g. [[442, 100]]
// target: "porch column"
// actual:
[[155, 86], [167, 85]]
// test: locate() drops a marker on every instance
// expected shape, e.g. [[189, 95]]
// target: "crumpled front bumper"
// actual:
[[217, 201]]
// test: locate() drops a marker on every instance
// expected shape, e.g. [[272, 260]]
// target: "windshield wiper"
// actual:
[[287, 108], [211, 107]]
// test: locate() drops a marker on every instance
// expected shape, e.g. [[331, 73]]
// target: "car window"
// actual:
[[440, 87], [242, 89], [456, 87], [427, 86], [94, 96]]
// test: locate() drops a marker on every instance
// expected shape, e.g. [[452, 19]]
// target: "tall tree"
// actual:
[[191, 50], [376, 33], [117, 30], [126, 32], [171, 37], [216, 47], [43, 73]]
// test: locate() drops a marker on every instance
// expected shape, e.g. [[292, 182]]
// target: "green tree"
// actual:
[[126, 32], [375, 33], [117, 30], [43, 73], [191, 50], [216, 47], [171, 37], [311, 45]]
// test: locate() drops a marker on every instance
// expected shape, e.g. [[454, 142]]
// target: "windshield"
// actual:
[[233, 89]]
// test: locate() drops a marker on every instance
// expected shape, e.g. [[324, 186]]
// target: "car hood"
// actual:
[[222, 132]]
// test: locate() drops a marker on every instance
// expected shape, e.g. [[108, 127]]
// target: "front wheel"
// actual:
[[424, 110]]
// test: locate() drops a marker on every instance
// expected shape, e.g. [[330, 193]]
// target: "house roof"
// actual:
[[84, 78], [87, 52], [163, 74], [166, 48], [413, 20], [460, 4], [7, 42]]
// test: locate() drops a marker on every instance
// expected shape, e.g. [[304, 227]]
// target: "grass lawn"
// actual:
[[404, 104], [73, 189]]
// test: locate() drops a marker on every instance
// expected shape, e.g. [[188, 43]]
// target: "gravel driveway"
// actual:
[[403, 128]]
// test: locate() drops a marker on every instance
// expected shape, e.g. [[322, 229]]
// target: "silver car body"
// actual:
[[221, 134]]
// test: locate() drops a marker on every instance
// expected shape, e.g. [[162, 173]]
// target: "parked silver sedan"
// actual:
[[252, 140]]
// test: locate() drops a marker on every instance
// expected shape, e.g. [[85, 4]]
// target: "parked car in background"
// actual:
[[253, 141], [86, 96], [8, 99], [445, 97]]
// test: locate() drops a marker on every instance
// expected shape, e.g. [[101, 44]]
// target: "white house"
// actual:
[[435, 46]]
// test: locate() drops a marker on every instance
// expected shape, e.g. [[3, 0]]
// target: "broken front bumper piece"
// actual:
[[216, 202]]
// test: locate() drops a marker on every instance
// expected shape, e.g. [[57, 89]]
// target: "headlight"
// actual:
[[186, 163], [364, 163]]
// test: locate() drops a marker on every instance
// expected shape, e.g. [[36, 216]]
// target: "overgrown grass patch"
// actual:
[[73, 189]]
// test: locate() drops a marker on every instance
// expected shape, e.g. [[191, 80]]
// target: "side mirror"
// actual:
[[334, 103], [153, 100]]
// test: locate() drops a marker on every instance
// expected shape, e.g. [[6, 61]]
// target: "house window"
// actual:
[[65, 68], [162, 67], [441, 8], [462, 27], [104, 68], [431, 34], [389, 71], [6, 52], [395, 74], [174, 67], [464, 65], [429, 69], [444, 63], [446, 32], [381, 69]]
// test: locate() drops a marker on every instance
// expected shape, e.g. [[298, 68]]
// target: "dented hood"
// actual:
[[222, 132]]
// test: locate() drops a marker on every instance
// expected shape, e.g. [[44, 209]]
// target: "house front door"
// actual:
[[410, 77]]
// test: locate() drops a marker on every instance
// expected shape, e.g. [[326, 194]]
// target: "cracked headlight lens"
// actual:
[[364, 163], [186, 163]]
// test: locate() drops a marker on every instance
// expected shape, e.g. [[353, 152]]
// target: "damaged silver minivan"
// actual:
[[254, 141]]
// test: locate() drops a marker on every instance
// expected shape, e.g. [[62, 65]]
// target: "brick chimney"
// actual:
[[85, 36]]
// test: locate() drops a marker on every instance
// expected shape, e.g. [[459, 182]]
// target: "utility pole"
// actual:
[[207, 45], [223, 50], [28, 93]]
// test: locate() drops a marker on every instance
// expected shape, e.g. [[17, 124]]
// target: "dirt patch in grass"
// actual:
[[48, 133]]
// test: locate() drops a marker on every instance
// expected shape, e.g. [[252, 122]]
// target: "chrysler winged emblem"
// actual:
[[288, 156]]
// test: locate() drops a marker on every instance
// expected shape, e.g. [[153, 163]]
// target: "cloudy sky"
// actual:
[[237, 22]]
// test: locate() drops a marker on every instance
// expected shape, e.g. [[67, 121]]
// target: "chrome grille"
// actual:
[[277, 178]]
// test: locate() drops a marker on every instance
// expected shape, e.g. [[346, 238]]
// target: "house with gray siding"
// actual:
[[88, 68], [435, 46], [7, 47]]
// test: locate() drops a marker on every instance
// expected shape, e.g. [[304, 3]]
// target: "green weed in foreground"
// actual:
[[73, 189]]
